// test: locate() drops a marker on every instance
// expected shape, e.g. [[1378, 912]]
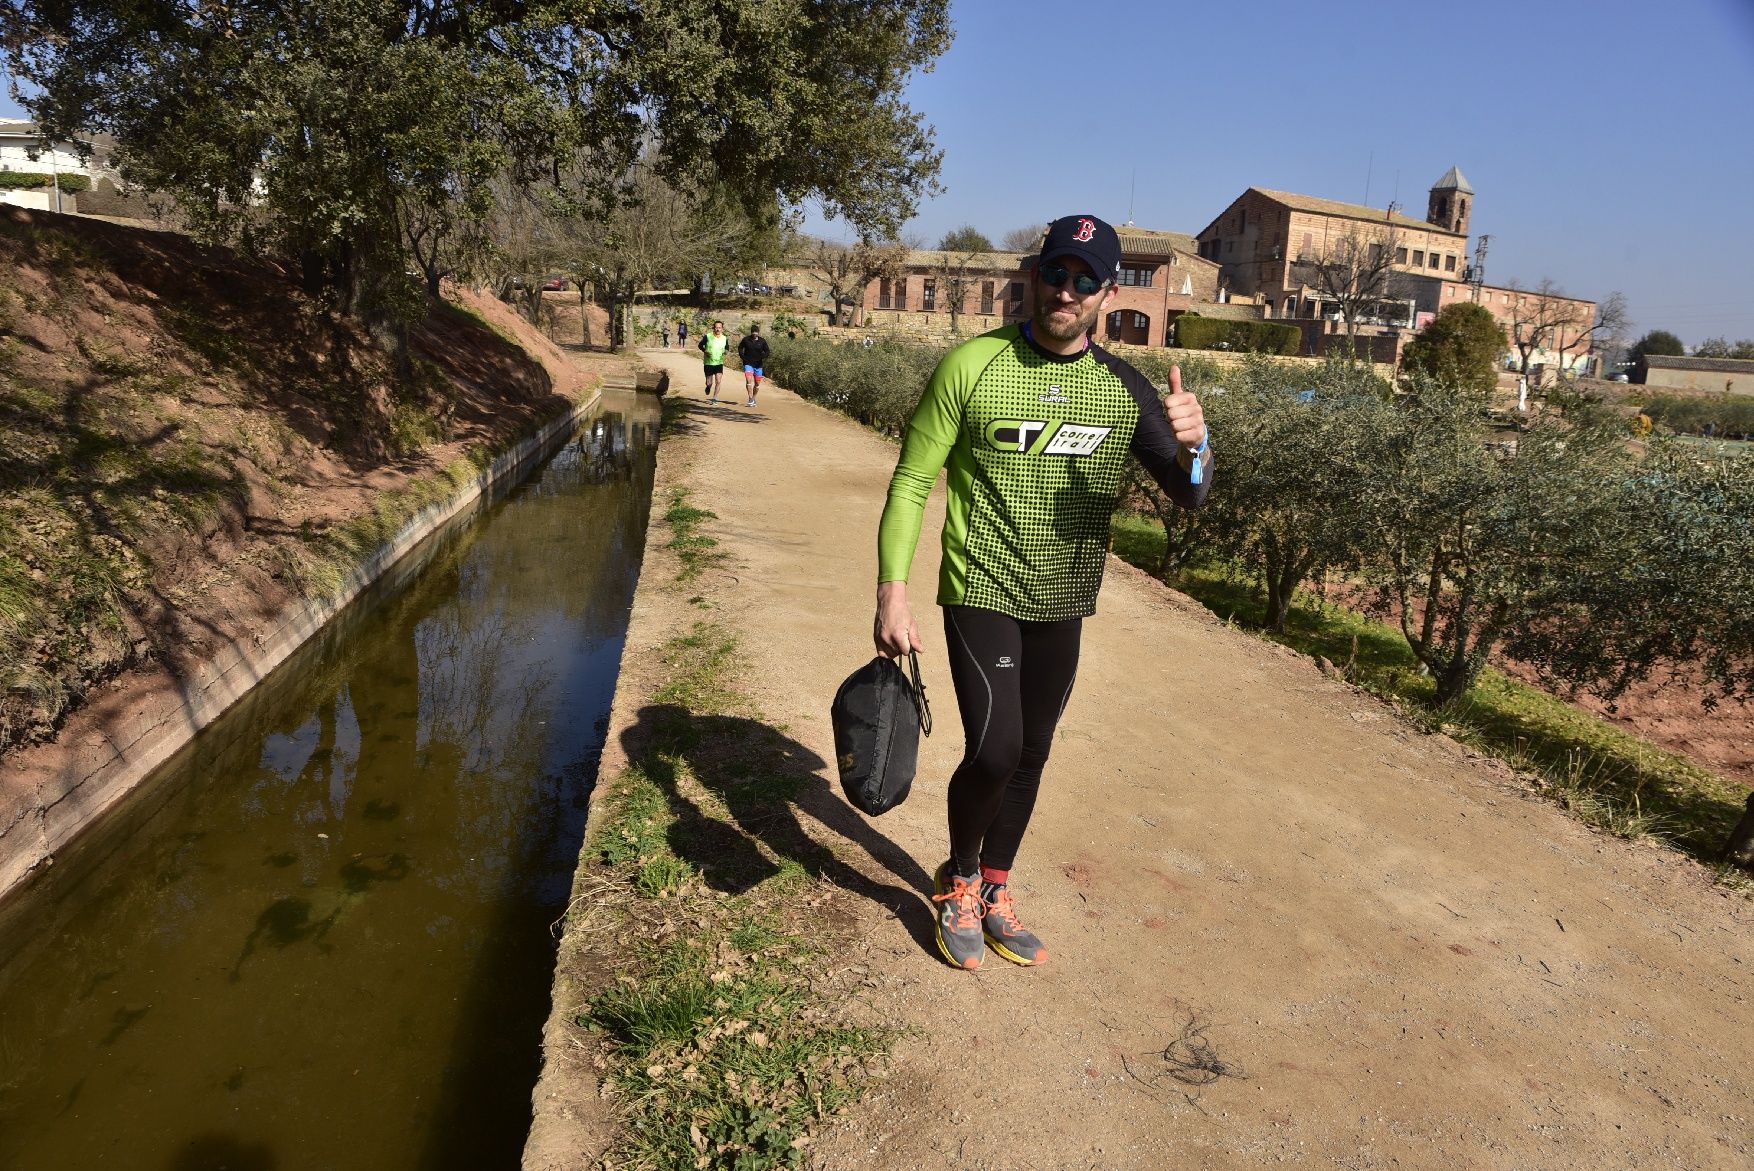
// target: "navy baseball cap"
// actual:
[[1089, 239]]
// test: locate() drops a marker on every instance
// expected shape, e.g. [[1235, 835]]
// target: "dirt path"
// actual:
[[1379, 950]]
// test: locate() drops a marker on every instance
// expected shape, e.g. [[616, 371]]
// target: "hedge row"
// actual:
[[31, 180], [1193, 332], [879, 385], [1726, 416]]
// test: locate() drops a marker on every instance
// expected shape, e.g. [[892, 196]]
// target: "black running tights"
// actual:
[[1012, 682]]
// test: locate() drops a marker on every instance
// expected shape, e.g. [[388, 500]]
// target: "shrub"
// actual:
[[1461, 347], [31, 180], [879, 385], [1728, 416], [1193, 332]]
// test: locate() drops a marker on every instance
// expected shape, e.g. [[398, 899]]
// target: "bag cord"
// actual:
[[917, 692]]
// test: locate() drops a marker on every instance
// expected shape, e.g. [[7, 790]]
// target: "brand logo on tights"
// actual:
[[1004, 661]]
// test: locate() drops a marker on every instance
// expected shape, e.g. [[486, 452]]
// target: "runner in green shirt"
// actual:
[[1033, 424], [712, 349]]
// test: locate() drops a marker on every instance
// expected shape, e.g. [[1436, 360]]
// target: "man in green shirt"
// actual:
[[712, 350], [1033, 423]]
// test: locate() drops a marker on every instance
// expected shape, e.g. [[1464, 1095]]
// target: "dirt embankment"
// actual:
[[186, 439]]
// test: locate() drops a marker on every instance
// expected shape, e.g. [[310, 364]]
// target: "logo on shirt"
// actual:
[[1044, 437], [1055, 395], [1004, 661]]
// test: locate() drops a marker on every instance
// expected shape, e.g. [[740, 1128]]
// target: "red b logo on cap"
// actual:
[[1086, 230]]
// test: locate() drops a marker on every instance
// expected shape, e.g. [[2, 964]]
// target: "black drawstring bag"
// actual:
[[878, 716]]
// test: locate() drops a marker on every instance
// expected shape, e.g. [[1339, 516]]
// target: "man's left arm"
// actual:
[[1171, 441]]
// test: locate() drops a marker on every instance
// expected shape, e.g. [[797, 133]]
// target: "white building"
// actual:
[[23, 148]]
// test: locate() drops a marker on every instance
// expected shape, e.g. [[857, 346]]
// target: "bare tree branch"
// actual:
[[1353, 271]]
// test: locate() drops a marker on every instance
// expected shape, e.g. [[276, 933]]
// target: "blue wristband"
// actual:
[[1195, 472]]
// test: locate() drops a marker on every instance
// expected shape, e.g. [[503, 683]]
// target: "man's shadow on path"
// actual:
[[766, 779]]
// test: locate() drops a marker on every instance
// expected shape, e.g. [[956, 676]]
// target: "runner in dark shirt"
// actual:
[[752, 352]]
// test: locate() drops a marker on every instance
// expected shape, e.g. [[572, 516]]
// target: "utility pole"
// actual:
[[55, 176], [1477, 276]]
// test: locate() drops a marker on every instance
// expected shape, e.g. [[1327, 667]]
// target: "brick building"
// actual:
[[1273, 245], [1266, 242], [1161, 278], [985, 287]]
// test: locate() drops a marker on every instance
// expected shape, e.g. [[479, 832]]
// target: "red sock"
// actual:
[[994, 876]]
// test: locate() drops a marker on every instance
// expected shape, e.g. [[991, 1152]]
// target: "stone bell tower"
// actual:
[[1451, 200]]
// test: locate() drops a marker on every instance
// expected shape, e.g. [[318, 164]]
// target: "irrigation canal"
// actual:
[[318, 937]]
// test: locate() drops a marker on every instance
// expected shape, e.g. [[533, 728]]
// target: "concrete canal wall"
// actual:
[[121, 737]]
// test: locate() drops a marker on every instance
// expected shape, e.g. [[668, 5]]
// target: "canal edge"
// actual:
[[121, 749], [569, 1115]]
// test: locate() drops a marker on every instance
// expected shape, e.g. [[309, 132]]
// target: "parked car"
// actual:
[[554, 284]]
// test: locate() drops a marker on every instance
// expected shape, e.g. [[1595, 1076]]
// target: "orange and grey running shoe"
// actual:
[[1008, 937], [960, 911]]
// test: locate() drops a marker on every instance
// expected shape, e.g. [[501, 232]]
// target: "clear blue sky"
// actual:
[[1610, 143]]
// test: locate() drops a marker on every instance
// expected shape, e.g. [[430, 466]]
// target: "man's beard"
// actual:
[[1063, 329]]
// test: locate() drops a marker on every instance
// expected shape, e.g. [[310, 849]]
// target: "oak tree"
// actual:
[[348, 134]]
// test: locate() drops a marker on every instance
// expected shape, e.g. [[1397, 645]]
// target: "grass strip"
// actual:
[[1608, 777], [727, 1039], [695, 550]]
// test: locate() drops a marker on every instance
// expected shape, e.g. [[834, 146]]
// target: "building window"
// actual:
[[1308, 242], [1140, 321], [1229, 246], [1449, 264], [1016, 295], [1418, 258], [884, 299], [1434, 260], [1135, 276], [1291, 306], [986, 296], [929, 301], [1400, 256]]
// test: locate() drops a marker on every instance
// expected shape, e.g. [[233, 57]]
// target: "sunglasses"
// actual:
[[1056, 276]]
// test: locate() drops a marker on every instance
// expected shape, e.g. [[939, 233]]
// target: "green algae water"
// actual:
[[319, 937]]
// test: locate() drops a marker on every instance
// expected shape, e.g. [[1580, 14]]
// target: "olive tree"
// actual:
[[1183, 528], [1567, 549], [1668, 590], [1292, 449]]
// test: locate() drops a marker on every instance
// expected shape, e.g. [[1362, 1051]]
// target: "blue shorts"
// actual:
[[755, 370]]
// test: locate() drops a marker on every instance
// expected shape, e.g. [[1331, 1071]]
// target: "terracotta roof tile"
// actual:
[[1724, 365], [1351, 211]]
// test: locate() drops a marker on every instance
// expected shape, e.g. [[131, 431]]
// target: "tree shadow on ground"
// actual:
[[768, 783]]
